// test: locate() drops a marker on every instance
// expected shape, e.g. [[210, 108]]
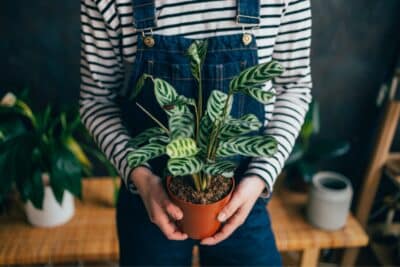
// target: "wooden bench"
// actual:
[[91, 235]]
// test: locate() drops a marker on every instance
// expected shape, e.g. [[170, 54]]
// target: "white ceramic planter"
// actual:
[[52, 214], [329, 200]]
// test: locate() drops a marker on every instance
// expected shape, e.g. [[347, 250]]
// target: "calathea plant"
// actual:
[[199, 140]]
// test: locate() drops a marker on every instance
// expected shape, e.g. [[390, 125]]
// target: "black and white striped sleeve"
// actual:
[[293, 90], [101, 77]]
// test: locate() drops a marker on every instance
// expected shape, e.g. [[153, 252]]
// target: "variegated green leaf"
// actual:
[[205, 131], [197, 52], [183, 100], [145, 153], [255, 75], [184, 166], [250, 146], [236, 127], [216, 103], [224, 168], [181, 124], [145, 136], [182, 148], [162, 140], [139, 86], [258, 94], [166, 94]]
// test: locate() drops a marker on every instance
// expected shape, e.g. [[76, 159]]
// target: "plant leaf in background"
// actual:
[[37, 194], [311, 122], [33, 143], [65, 173], [296, 154], [76, 149], [307, 170], [309, 150]]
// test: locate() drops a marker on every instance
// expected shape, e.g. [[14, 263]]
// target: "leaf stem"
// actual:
[[199, 107], [196, 180], [152, 117]]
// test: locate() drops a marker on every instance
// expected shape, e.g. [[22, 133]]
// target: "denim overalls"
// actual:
[[141, 242]]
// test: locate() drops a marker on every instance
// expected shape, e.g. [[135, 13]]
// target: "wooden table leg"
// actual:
[[309, 257], [349, 257]]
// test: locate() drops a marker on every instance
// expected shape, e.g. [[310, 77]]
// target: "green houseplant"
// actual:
[[40, 156], [199, 140], [309, 151]]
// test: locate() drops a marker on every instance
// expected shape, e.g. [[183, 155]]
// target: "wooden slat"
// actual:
[[310, 257], [293, 232], [91, 235]]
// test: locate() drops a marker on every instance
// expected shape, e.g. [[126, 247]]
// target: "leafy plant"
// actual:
[[199, 140], [309, 150], [36, 145]]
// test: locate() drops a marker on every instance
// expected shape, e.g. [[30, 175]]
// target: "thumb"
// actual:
[[172, 210], [230, 208]]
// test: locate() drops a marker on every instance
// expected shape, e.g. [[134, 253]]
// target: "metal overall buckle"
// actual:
[[148, 39], [247, 37]]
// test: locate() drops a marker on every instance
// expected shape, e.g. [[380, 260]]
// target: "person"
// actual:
[[122, 39]]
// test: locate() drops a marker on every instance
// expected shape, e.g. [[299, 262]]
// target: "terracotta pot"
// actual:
[[199, 220]]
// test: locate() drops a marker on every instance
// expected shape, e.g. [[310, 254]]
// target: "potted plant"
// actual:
[[200, 142], [40, 156], [309, 150]]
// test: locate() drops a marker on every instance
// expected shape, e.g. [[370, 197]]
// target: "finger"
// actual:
[[231, 207], [227, 229], [172, 210], [170, 229]]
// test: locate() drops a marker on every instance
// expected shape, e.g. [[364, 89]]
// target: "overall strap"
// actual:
[[144, 14], [248, 12]]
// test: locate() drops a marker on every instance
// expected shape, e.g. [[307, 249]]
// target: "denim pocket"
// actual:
[[177, 74], [219, 76]]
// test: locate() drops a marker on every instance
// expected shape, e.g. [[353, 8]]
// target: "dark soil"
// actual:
[[183, 188]]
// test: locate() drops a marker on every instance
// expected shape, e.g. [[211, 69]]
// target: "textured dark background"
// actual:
[[354, 50]]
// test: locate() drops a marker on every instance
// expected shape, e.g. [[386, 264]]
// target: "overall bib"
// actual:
[[142, 242]]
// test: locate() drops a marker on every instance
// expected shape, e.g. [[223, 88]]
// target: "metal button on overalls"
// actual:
[[246, 38], [149, 41]]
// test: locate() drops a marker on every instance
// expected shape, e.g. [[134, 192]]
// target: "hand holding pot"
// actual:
[[238, 208], [160, 209]]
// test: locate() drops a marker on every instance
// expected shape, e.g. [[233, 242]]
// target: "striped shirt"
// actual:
[[108, 48]]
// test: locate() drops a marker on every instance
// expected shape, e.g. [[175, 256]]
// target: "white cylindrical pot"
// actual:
[[329, 200], [52, 213]]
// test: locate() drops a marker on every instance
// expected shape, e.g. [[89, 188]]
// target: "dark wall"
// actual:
[[355, 44], [39, 48]]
